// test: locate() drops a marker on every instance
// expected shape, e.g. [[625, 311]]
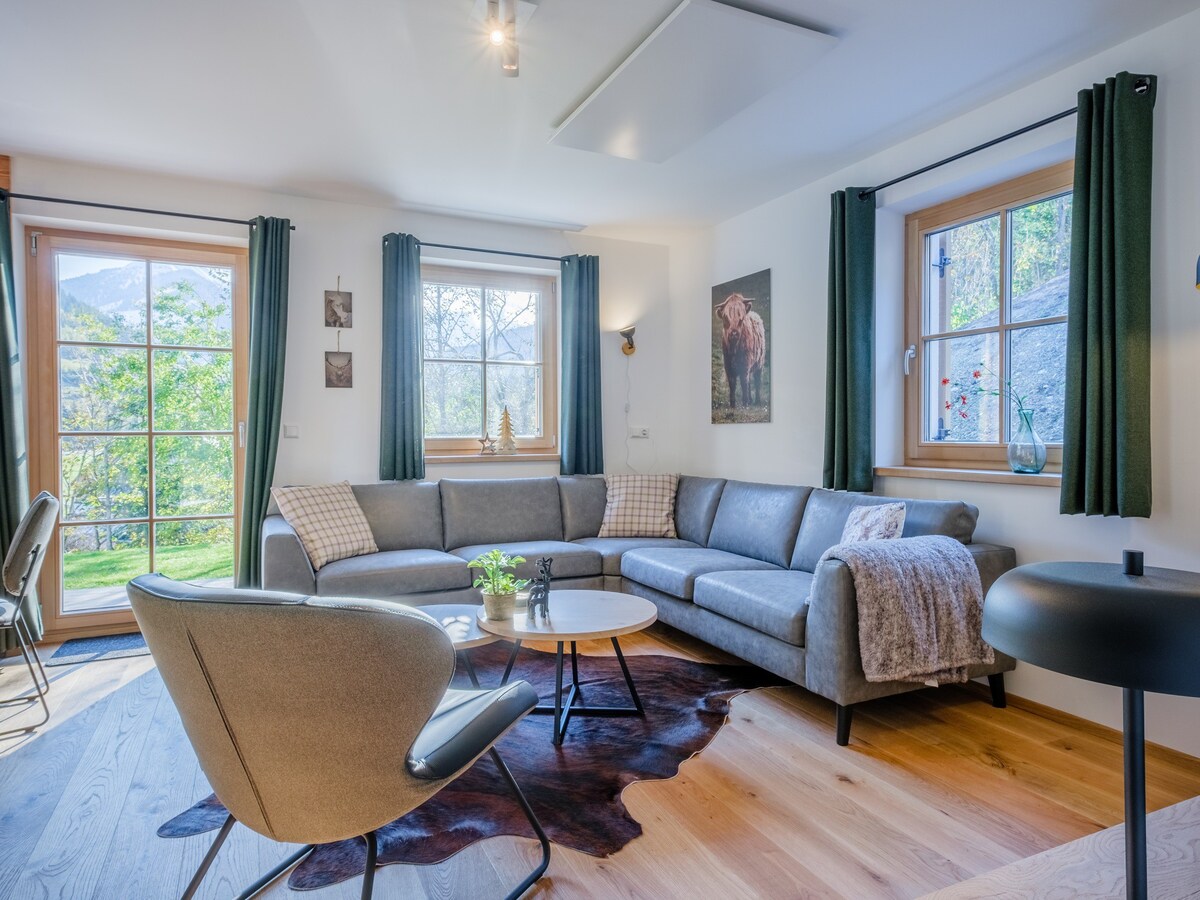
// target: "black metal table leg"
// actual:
[[470, 667], [512, 658], [1135, 795], [637, 702], [565, 707], [558, 663]]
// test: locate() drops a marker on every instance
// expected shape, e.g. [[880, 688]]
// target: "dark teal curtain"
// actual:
[[582, 419], [14, 474], [850, 353], [1106, 434], [269, 249], [401, 421]]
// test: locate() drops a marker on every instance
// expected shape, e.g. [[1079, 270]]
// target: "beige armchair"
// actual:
[[319, 719]]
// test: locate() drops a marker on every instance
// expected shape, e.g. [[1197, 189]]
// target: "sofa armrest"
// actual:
[[833, 662], [285, 565]]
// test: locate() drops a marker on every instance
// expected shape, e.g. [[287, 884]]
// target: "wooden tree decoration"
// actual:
[[507, 443]]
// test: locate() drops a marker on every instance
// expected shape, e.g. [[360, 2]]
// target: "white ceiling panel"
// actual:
[[704, 64]]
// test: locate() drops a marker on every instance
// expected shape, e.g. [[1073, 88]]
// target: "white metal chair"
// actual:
[[22, 564]]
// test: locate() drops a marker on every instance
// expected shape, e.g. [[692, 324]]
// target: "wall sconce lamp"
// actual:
[[628, 347]]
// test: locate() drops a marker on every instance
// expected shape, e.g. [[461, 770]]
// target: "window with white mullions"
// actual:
[[988, 282], [488, 340]]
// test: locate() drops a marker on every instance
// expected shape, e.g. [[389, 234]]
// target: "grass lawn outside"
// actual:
[[107, 568]]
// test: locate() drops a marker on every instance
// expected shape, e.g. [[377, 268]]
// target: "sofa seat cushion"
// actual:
[[391, 573], [774, 603], [612, 549], [570, 560], [674, 571]]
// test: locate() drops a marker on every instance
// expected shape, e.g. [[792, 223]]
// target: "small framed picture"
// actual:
[[339, 369], [339, 306]]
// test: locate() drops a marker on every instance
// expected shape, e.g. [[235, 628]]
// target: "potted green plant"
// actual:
[[498, 584]]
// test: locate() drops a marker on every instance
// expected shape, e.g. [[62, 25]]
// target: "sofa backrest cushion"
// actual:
[[696, 502], [759, 520], [825, 519], [583, 498], [500, 511], [404, 515]]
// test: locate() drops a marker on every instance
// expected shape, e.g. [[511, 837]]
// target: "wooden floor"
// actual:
[[935, 788], [1094, 866]]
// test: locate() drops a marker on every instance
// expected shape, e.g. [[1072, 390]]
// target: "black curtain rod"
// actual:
[[494, 252], [862, 195], [136, 209]]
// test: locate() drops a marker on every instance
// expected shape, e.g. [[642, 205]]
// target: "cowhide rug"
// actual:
[[575, 789]]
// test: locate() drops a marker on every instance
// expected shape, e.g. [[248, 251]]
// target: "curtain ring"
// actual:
[[1142, 85]]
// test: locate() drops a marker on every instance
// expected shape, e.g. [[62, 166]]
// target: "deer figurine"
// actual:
[[539, 594]]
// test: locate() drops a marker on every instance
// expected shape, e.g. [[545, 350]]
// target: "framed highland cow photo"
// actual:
[[741, 350]]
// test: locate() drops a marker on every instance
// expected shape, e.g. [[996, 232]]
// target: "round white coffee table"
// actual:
[[577, 616], [462, 626]]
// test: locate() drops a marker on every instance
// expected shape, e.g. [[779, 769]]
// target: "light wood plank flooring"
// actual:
[[936, 788]]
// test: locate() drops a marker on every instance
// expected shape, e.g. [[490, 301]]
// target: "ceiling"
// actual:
[[401, 102]]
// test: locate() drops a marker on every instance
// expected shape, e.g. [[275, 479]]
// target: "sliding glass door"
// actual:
[[138, 387]]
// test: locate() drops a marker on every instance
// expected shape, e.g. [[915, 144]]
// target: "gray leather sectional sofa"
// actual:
[[737, 576]]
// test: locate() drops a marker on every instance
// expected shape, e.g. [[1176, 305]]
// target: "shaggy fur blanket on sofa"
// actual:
[[920, 608]]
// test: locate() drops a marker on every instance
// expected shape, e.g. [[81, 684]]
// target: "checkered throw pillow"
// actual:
[[328, 519], [640, 506], [874, 523]]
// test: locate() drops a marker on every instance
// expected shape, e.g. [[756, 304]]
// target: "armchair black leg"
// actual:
[[288, 863], [533, 820], [368, 888], [845, 715], [194, 884], [996, 683]]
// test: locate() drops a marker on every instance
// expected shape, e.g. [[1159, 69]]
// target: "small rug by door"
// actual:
[[575, 789], [90, 649]]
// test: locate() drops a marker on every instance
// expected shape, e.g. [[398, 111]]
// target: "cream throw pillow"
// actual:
[[874, 523], [640, 506], [328, 519]]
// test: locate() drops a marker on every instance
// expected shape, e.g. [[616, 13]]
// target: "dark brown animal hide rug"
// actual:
[[575, 789]]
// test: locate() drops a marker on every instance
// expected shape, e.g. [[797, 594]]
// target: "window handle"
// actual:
[[910, 353], [242, 429]]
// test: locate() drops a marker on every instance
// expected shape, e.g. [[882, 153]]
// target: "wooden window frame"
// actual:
[[42, 389], [1000, 198], [546, 445]]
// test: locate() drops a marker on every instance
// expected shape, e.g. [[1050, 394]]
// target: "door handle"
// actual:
[[910, 353]]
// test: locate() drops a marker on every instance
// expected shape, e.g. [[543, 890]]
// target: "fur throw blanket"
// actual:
[[920, 608]]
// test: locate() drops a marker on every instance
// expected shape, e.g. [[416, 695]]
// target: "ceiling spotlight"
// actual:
[[510, 59], [494, 29]]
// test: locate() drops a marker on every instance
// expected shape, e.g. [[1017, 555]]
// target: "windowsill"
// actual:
[[997, 476], [469, 457]]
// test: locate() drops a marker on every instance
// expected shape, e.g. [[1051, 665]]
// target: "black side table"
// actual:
[[1110, 624]]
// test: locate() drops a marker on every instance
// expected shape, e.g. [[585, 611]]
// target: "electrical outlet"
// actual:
[[639, 432], [291, 431]]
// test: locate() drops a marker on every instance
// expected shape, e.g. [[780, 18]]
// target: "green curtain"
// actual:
[[402, 416], [269, 249], [582, 418], [14, 474], [850, 353], [1106, 435]]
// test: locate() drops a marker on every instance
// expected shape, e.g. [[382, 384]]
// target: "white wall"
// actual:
[[339, 429], [790, 236]]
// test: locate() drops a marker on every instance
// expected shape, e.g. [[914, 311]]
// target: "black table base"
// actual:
[[1135, 795], [564, 708]]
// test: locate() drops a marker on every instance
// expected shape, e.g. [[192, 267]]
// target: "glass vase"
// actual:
[[1026, 451]]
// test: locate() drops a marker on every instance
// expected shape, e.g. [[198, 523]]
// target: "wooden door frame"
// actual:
[[42, 389]]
